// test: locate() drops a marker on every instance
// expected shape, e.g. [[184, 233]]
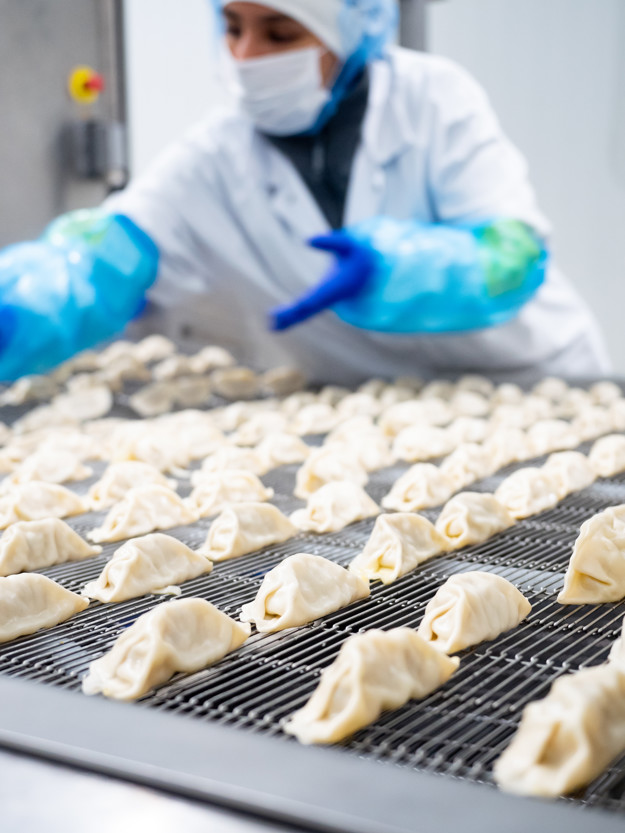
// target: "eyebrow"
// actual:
[[272, 17]]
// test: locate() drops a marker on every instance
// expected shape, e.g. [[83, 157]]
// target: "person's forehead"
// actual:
[[256, 9]]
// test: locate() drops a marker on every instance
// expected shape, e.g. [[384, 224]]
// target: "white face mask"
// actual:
[[283, 94]]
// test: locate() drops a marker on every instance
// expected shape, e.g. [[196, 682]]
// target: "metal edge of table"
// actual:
[[320, 789]]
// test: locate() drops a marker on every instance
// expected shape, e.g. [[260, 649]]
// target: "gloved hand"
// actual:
[[426, 278], [78, 285], [354, 267]]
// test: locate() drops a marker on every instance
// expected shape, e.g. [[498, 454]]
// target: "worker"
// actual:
[[363, 192]]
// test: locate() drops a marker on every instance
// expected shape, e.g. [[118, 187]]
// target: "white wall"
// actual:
[[555, 70]]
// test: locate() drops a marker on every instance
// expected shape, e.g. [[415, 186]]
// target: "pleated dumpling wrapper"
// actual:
[[422, 486], [471, 608], [282, 450], [30, 601], [571, 471], [471, 518], [120, 478], [507, 445], [50, 466], [592, 422], [334, 462], [185, 635], [596, 571], [38, 500], [33, 545], [469, 463], [549, 435], [398, 544], [423, 442], [299, 590], [570, 737], [218, 490], [607, 456], [150, 564], [258, 426], [244, 528], [374, 672], [144, 510], [528, 491], [228, 458], [335, 506]]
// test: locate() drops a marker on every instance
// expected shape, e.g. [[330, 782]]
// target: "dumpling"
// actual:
[[191, 391], [42, 418], [172, 367], [150, 444], [415, 411], [153, 348], [570, 737], [85, 404], [507, 445], [592, 422], [282, 381], [508, 394], [374, 672], [477, 384], [146, 565], [218, 490], [234, 415], [365, 440], [281, 450], [549, 435], [438, 389], [528, 491], [471, 518], [124, 368], [37, 500], [423, 442], [143, 510], [617, 414], [606, 392], [193, 433], [398, 544], [29, 388], [574, 402], [185, 635], [301, 589], [467, 464], [120, 478], [373, 387], [551, 388], [358, 404], [257, 427], [49, 466], [469, 403], [118, 349], [33, 545], [356, 426], [393, 394], [571, 471], [211, 358], [244, 528], [236, 383], [316, 418], [607, 456], [294, 403], [421, 486], [596, 571], [471, 608], [468, 430], [228, 458], [30, 601], [335, 506], [326, 465]]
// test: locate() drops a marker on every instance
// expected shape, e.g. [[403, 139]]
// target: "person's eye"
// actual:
[[277, 36], [233, 31]]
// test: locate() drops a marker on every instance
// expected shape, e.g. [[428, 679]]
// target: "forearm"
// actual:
[[440, 278], [81, 283]]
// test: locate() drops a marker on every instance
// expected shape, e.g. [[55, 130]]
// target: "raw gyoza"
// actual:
[[506, 445], [281, 450], [604, 393], [120, 478], [592, 422], [299, 590], [196, 433], [316, 418], [617, 414], [236, 382], [358, 404], [365, 441], [468, 430], [244, 528], [570, 737], [374, 672], [153, 444], [153, 348], [143, 510], [191, 391], [172, 367], [528, 491], [185, 635], [508, 394], [423, 442], [607, 456], [335, 506], [33, 545], [85, 404], [328, 464], [211, 358], [438, 389], [471, 518], [476, 383], [471, 608], [282, 381], [230, 458], [551, 388], [153, 400], [571, 471], [469, 403], [423, 485], [37, 500], [574, 402], [49, 466], [414, 412], [398, 544], [467, 464], [596, 571], [258, 427], [549, 435], [30, 601], [146, 565], [29, 388], [218, 490]]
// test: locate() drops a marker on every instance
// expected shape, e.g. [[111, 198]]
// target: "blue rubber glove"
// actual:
[[79, 284], [424, 278]]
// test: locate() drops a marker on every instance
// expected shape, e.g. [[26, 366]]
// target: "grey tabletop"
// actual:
[[37, 795]]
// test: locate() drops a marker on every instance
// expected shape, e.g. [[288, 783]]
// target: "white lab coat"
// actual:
[[231, 215]]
